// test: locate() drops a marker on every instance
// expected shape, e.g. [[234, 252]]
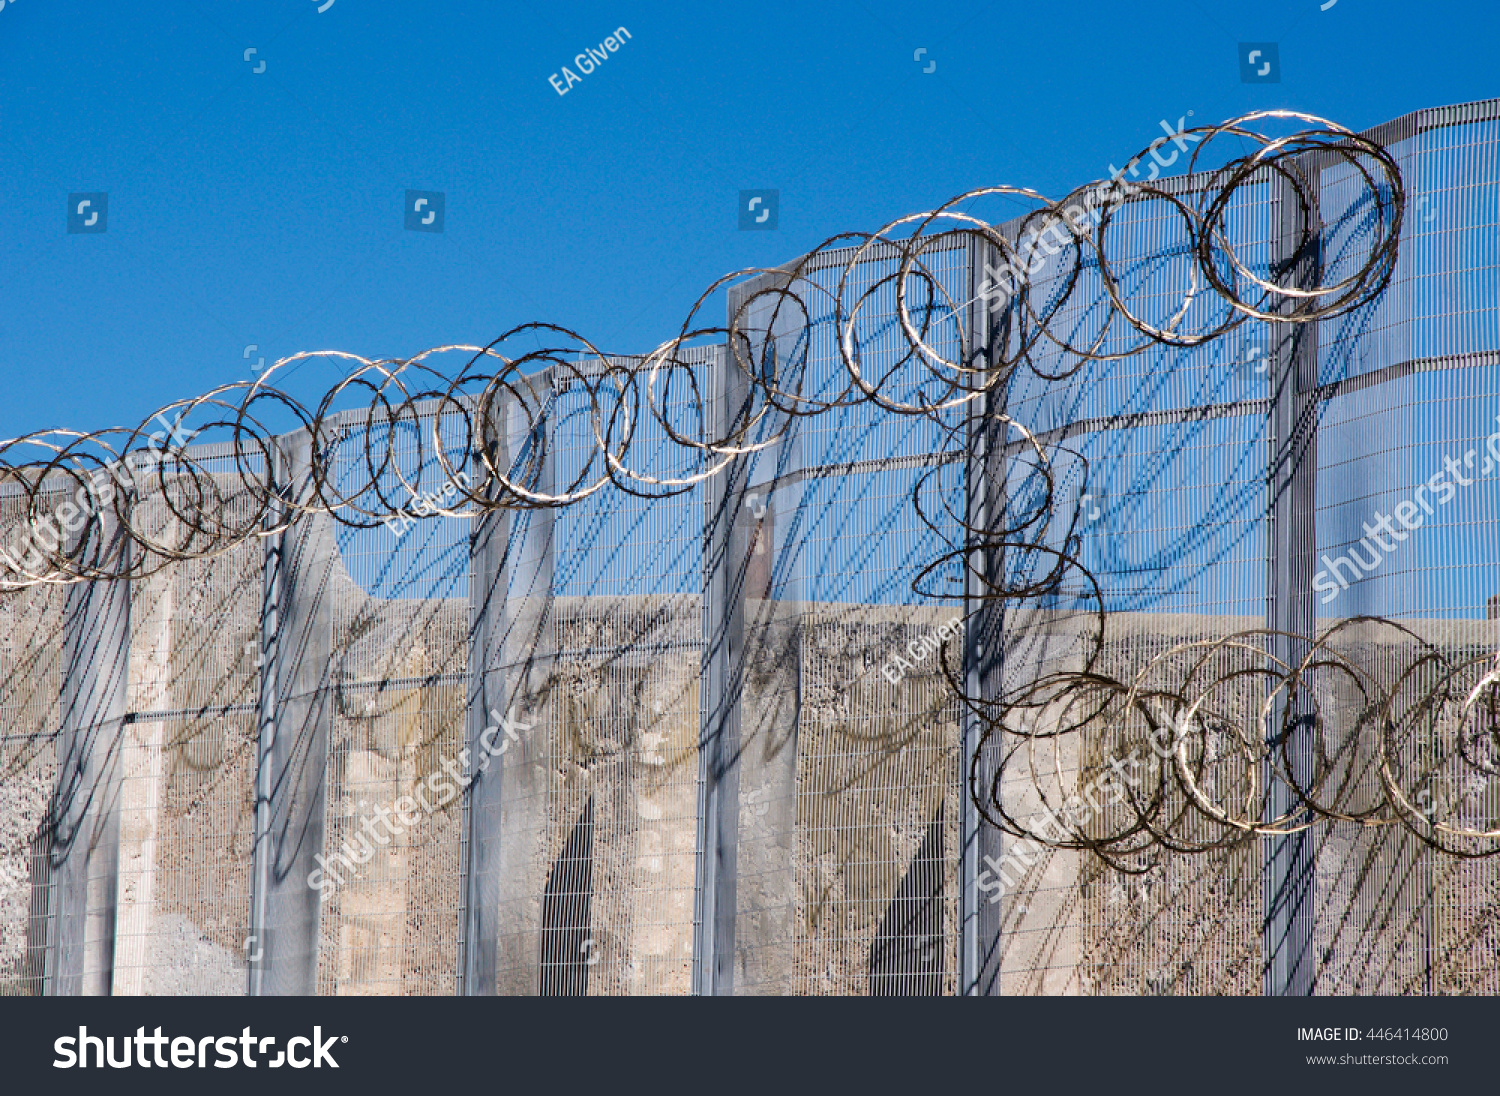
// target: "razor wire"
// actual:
[[1229, 710]]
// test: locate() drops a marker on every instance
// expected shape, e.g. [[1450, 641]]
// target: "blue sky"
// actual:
[[266, 208]]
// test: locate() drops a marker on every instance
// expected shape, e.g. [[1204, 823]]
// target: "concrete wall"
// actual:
[[844, 777]]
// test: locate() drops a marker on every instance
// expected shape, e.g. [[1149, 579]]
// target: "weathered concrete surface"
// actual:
[[844, 772], [876, 763], [30, 692], [180, 961], [142, 783], [25, 790]]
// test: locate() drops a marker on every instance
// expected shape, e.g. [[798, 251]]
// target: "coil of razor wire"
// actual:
[[1251, 734]]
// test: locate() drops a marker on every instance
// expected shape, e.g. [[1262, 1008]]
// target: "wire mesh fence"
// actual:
[[743, 718]]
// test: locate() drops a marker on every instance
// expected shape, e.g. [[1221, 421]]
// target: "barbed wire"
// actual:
[[1253, 748]]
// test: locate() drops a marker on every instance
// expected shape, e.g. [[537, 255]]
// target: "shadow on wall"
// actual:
[[906, 959], [568, 950]]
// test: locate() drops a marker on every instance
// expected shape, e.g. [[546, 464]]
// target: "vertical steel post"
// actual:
[[488, 539], [292, 757], [85, 839], [266, 662], [511, 663], [725, 552], [979, 918], [1289, 864]]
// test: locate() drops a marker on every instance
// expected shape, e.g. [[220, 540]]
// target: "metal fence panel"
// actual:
[[733, 761]]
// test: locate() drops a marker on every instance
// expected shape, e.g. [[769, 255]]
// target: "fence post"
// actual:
[[85, 835], [489, 537], [725, 555], [979, 919], [511, 671], [266, 662], [295, 714], [1289, 863]]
